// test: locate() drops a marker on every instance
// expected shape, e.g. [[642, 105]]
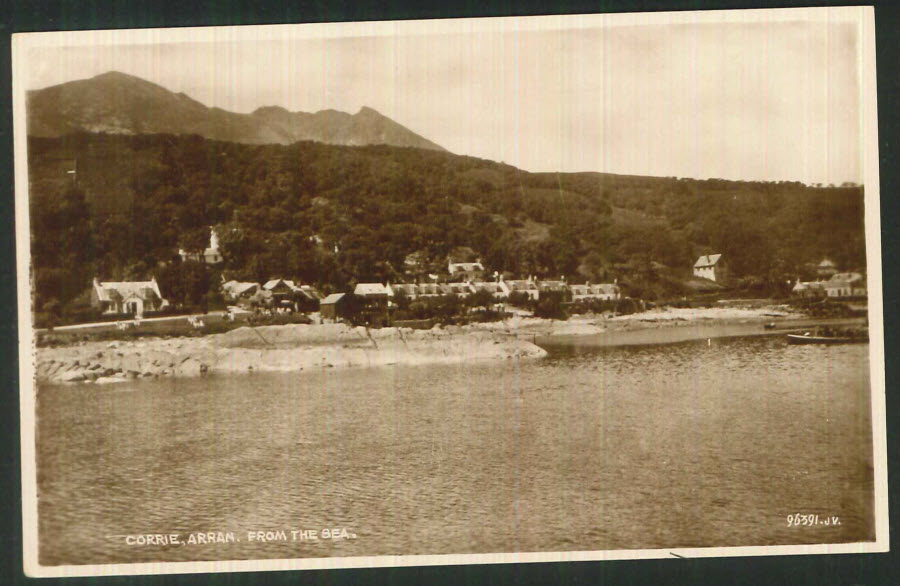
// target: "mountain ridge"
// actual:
[[121, 103]]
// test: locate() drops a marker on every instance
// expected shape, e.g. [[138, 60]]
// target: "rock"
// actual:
[[112, 345], [102, 380], [130, 362], [132, 374], [95, 367], [109, 372], [73, 376]]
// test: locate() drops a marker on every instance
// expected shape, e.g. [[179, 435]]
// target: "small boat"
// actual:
[[769, 326], [809, 338]]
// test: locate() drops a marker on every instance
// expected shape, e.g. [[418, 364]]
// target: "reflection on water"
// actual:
[[691, 444]]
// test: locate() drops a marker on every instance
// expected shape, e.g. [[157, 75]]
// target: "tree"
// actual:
[[63, 242], [401, 300], [550, 305], [481, 298]]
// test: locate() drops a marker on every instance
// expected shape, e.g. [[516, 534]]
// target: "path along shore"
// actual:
[[289, 348]]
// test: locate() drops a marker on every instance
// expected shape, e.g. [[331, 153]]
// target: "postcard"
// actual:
[[462, 291]]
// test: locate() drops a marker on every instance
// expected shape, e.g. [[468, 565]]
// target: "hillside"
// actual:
[[118, 103], [284, 210]]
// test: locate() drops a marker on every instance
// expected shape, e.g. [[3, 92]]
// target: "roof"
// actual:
[[836, 284], [310, 291], [127, 289], [552, 285], [597, 289], [849, 277], [274, 283], [707, 260], [489, 286], [370, 289], [238, 287], [465, 266], [456, 288], [407, 288], [517, 284], [332, 299]]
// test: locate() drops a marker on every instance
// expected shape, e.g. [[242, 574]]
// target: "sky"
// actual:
[[763, 100]]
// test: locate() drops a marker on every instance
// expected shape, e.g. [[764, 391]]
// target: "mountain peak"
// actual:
[[113, 74], [121, 78], [121, 103], [367, 111], [270, 110]]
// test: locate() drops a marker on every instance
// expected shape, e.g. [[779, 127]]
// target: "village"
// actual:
[[464, 292]]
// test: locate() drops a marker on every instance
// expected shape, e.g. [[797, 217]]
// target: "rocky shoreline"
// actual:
[[273, 349], [288, 348], [655, 318]]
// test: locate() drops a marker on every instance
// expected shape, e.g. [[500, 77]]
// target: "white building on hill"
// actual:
[[211, 256], [712, 267]]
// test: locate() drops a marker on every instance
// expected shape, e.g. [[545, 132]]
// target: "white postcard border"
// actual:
[[22, 42]]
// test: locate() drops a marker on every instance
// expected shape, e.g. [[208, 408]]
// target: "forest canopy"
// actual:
[[336, 215]]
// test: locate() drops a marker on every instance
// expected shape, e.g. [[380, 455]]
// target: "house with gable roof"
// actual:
[[374, 297], [846, 285], [465, 271], [497, 289], [527, 286], [333, 306], [237, 290], [809, 289], [461, 289], [409, 290], [600, 291], [134, 297], [712, 267], [286, 292]]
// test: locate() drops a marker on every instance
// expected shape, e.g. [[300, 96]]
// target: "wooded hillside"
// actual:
[[335, 215]]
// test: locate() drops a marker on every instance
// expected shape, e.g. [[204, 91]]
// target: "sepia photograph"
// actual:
[[458, 291]]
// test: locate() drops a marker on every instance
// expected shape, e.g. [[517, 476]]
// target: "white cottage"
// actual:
[[712, 267], [134, 297]]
